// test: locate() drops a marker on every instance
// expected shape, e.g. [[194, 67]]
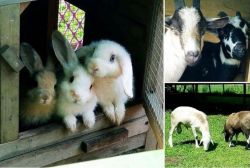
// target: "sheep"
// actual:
[[221, 61], [190, 116], [235, 124], [183, 39]]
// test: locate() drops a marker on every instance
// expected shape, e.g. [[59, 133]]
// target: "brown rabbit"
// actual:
[[38, 104]]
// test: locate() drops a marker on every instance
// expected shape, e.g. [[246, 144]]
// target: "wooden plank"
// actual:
[[9, 79], [132, 143], [9, 2], [115, 136], [23, 6], [151, 142], [52, 133], [61, 151]]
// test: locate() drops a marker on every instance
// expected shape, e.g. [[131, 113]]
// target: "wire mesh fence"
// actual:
[[71, 23], [153, 83]]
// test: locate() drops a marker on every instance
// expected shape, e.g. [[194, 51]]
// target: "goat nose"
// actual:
[[193, 53]]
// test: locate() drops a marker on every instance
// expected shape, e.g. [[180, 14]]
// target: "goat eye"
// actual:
[[71, 79], [112, 58], [90, 87]]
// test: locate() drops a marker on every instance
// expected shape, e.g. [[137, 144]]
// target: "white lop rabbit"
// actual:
[[75, 95], [111, 66], [38, 104]]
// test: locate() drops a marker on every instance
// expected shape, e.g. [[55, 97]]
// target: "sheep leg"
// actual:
[[230, 141], [248, 142], [170, 139], [195, 137]]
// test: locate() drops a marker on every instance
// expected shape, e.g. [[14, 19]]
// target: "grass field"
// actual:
[[184, 153]]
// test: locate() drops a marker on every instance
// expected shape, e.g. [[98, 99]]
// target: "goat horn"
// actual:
[[179, 4], [196, 4]]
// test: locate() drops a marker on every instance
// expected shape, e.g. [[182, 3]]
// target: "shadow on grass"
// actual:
[[211, 147]]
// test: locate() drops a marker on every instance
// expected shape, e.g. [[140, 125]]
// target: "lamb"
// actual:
[[194, 118], [221, 61], [183, 39], [235, 124]]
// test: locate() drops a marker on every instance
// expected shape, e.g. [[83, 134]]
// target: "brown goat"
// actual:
[[235, 124]]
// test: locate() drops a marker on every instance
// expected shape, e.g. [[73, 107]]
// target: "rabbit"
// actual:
[[75, 92], [110, 65], [38, 104]]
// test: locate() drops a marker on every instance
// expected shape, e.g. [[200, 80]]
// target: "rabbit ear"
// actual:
[[127, 75], [30, 58], [84, 52], [50, 64], [63, 50]]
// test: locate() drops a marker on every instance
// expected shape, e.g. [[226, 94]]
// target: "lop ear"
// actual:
[[127, 75], [63, 51], [84, 52], [30, 58]]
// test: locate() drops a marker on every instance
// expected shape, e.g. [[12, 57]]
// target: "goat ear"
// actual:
[[217, 23], [222, 14], [238, 14]]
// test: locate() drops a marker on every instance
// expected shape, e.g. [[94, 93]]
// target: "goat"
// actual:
[[183, 39], [235, 124], [221, 61], [194, 118]]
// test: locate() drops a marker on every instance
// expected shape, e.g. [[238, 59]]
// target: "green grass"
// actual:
[[186, 155], [215, 88]]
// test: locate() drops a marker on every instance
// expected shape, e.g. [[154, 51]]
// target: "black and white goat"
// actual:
[[183, 39], [235, 124], [193, 118], [221, 61]]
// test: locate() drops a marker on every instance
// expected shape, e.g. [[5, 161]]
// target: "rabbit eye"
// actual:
[[71, 79], [90, 87], [112, 58]]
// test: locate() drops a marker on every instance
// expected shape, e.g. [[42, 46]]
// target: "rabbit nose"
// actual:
[[74, 95], [45, 97], [94, 68]]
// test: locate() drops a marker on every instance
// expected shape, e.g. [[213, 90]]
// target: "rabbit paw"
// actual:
[[119, 114], [70, 122], [110, 113], [89, 122]]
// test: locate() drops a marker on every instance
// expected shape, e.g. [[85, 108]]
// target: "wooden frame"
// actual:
[[40, 147]]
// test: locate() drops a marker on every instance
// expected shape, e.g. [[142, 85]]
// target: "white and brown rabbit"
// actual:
[[111, 66], [75, 94], [38, 104]]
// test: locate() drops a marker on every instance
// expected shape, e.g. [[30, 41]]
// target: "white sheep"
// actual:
[[194, 118]]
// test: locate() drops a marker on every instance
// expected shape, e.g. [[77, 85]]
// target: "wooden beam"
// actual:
[[151, 142], [9, 2], [132, 143], [54, 133], [9, 79], [70, 148], [115, 136], [23, 6]]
